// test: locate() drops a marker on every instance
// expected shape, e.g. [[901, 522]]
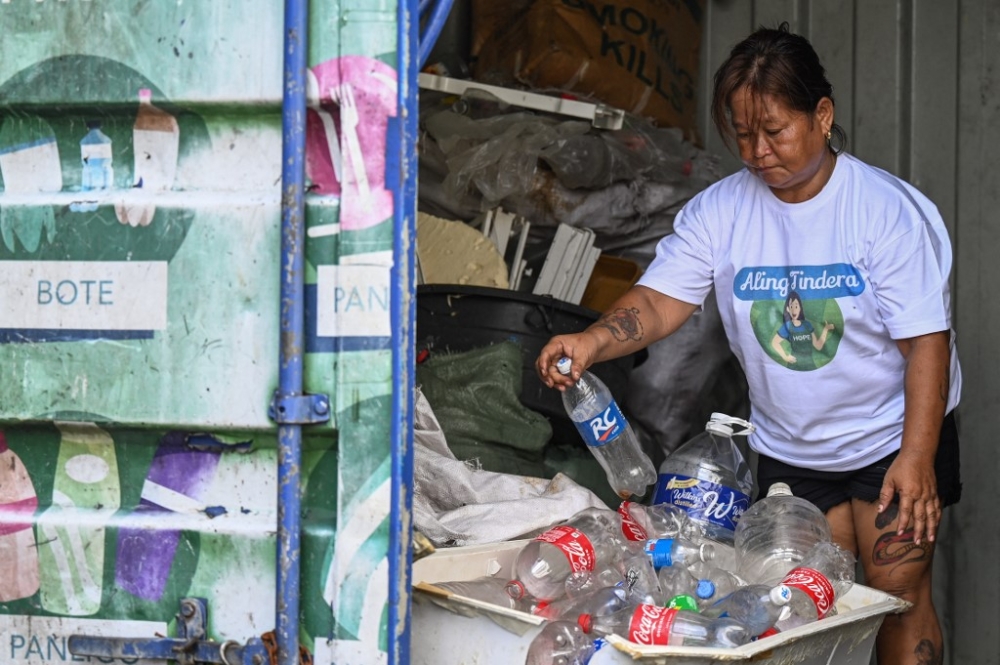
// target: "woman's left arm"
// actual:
[[911, 474]]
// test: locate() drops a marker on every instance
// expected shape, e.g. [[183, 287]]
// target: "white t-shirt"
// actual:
[[869, 258]]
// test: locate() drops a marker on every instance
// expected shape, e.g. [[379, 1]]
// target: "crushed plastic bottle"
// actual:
[[641, 522], [775, 533], [607, 434], [589, 540], [757, 606], [562, 643], [678, 552], [825, 574]]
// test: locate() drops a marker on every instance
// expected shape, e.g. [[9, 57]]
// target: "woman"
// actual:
[[799, 334], [865, 436]]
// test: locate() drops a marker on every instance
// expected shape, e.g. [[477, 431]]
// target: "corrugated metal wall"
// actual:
[[916, 88]]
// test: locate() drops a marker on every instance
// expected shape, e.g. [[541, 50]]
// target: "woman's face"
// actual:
[[794, 309], [787, 149]]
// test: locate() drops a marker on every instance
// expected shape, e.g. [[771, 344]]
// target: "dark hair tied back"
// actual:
[[778, 63]]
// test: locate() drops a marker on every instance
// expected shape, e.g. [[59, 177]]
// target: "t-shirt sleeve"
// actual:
[[683, 267], [909, 275]]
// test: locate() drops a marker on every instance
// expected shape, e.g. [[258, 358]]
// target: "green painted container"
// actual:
[[140, 236]]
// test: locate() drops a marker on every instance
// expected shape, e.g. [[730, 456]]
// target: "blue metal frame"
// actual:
[[292, 346], [403, 313]]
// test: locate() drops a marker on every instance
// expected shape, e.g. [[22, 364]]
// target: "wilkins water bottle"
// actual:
[[709, 478], [608, 435], [775, 533]]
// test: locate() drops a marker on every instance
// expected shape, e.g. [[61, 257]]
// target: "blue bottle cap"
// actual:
[[706, 589], [659, 552]]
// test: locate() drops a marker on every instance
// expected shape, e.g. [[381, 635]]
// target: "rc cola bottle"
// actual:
[[775, 533], [607, 433]]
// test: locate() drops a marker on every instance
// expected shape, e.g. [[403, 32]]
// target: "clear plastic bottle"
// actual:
[[487, 589], [641, 522], [562, 643], [641, 582], [598, 602], [678, 552], [825, 574], [775, 533], [650, 624], [585, 582], [713, 583], [589, 540], [709, 479], [757, 606], [607, 434]]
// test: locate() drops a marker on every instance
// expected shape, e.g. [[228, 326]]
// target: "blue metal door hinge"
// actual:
[[189, 647], [299, 409]]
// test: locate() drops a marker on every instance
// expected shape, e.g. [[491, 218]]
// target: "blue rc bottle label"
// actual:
[[702, 500], [603, 428]]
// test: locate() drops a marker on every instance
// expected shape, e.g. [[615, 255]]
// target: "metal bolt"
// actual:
[[322, 407]]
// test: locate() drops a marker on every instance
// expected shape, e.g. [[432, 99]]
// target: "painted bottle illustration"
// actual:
[[155, 141], [176, 483], [29, 164], [98, 171], [18, 554], [85, 494]]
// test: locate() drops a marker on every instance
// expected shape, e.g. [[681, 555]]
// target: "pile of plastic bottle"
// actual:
[[698, 566]]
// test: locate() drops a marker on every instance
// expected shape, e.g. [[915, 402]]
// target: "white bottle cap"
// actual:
[[564, 365], [779, 489], [780, 595]]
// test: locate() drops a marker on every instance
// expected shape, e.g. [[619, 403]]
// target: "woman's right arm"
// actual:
[[636, 320]]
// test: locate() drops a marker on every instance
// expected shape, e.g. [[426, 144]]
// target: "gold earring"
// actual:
[[829, 135]]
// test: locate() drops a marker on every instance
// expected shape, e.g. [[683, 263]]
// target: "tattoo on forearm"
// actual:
[[927, 653], [623, 324]]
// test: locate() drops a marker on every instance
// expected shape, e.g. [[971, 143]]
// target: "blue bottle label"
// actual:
[[603, 428], [702, 500]]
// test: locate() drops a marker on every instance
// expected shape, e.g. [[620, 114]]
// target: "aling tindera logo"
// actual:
[[837, 280]]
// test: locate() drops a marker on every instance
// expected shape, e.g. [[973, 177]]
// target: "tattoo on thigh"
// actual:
[[623, 324], [926, 653], [887, 516], [891, 548]]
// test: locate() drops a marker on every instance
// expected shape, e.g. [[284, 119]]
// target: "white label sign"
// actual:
[[83, 295], [352, 301], [33, 640]]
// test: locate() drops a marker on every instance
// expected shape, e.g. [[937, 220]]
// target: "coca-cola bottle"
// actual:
[[487, 589], [590, 539], [641, 522], [825, 574], [757, 606], [654, 625]]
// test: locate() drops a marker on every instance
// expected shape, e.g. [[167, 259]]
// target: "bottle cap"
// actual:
[[780, 595], [706, 589], [564, 365], [683, 602], [515, 589], [585, 621], [779, 489], [659, 552]]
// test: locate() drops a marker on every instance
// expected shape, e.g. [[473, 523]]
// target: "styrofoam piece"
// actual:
[[451, 629]]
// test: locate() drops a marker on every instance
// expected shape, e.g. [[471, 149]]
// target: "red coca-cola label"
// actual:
[[651, 624], [815, 585], [574, 544], [631, 529]]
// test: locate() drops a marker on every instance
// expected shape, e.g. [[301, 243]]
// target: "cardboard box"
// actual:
[[451, 629], [637, 55]]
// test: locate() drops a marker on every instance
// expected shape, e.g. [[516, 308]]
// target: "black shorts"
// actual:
[[827, 489]]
